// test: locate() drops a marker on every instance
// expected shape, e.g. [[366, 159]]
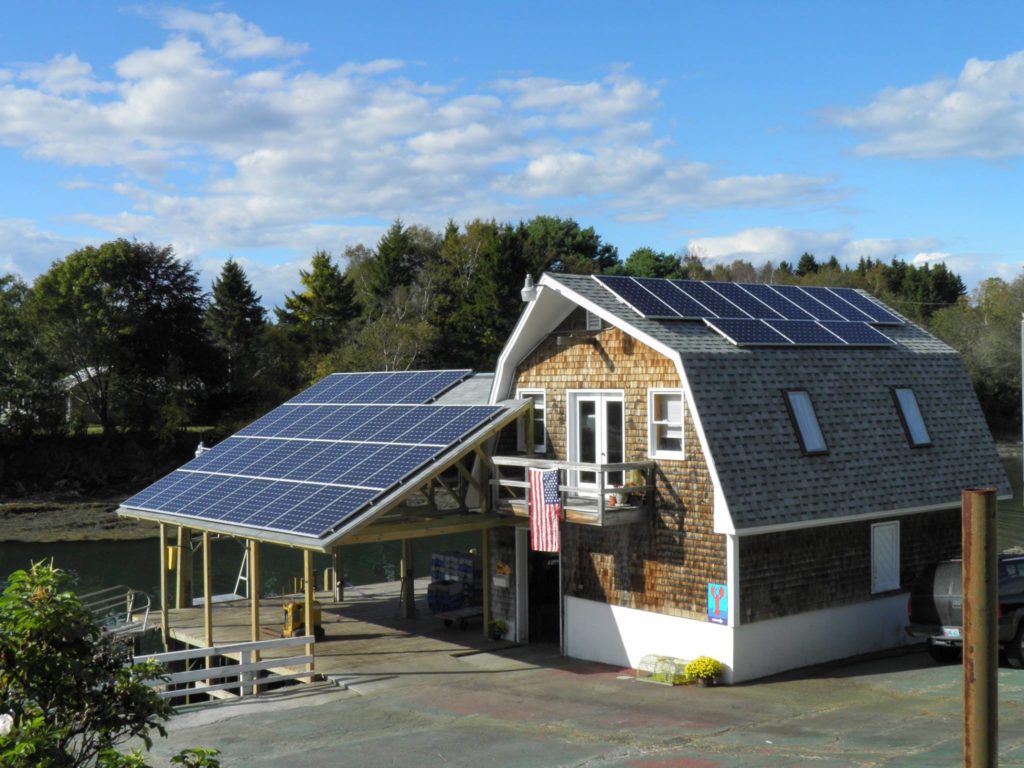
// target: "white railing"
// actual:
[[115, 609], [246, 675], [591, 499]]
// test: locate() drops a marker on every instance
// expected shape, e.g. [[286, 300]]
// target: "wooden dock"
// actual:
[[366, 637]]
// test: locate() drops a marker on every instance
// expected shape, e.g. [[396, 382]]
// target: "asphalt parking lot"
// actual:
[[528, 707]]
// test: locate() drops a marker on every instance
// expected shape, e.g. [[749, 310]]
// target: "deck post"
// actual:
[[164, 613], [307, 577], [408, 590], [339, 575], [183, 581], [254, 605], [207, 593], [485, 567]]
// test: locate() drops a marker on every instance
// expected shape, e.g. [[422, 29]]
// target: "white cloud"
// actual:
[[229, 34], [978, 114], [26, 250], [215, 152]]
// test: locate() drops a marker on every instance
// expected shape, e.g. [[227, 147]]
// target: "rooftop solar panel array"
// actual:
[[758, 314], [311, 464]]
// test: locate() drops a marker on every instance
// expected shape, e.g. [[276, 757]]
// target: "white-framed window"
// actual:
[[665, 423], [910, 417], [805, 421], [885, 556], [540, 435]]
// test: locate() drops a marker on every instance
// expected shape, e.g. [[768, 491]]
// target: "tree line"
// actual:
[[125, 333]]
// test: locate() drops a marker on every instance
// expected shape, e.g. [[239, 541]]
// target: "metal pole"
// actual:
[[981, 649], [408, 587]]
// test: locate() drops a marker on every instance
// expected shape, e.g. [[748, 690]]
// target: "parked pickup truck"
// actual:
[[936, 609]]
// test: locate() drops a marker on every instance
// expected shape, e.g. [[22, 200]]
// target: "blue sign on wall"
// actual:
[[718, 603]]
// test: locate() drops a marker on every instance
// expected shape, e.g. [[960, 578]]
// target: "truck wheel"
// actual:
[[1015, 648], [943, 654]]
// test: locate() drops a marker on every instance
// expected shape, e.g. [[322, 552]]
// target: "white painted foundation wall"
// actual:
[[623, 636]]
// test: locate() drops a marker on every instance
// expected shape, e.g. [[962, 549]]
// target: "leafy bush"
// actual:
[[704, 668]]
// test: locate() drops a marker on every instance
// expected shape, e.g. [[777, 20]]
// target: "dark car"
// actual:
[[936, 609]]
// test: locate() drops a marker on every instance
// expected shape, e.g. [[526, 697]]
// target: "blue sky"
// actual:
[[267, 130]]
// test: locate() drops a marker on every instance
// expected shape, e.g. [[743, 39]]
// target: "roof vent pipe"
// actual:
[[201, 449], [529, 292]]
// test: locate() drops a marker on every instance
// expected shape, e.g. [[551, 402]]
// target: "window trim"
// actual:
[[903, 417], [876, 588], [652, 443], [521, 394], [787, 396]]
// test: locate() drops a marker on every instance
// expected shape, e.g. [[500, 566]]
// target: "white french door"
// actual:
[[596, 435]]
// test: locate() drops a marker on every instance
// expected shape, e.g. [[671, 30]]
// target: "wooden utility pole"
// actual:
[[408, 585], [981, 646]]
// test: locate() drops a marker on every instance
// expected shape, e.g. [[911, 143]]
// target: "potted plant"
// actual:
[[498, 629], [704, 670]]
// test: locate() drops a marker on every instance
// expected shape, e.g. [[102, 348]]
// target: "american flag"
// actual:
[[545, 510]]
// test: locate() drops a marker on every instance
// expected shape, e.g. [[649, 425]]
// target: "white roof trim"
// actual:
[[530, 331], [822, 522]]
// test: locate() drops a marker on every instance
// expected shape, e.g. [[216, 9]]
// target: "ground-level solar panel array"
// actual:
[[313, 463], [758, 314]]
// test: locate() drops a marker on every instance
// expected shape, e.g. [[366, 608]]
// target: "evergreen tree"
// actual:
[[319, 313], [235, 321]]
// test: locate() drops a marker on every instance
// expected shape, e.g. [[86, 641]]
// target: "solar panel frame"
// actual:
[[665, 290], [703, 293], [747, 332], [786, 308]]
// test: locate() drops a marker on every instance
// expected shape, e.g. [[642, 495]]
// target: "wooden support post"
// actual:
[[254, 589], [485, 567], [530, 436], [207, 593], [164, 612], [408, 585], [183, 582], [307, 577], [339, 575], [981, 642]]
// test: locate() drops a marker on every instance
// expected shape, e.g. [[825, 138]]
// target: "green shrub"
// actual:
[[704, 668]]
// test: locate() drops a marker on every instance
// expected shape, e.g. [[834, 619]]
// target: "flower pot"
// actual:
[[705, 682]]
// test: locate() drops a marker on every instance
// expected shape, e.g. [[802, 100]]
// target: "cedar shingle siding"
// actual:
[[663, 565]]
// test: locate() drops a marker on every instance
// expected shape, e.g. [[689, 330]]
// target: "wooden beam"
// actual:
[[254, 590], [307, 571], [485, 567], [455, 497], [469, 478], [183, 580], [339, 575], [164, 612], [207, 593], [408, 590], [421, 528]]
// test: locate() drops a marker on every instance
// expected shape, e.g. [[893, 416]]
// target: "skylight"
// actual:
[[805, 421]]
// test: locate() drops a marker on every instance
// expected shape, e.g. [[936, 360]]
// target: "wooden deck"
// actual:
[[366, 638]]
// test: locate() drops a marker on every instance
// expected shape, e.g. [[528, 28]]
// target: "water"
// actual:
[[136, 564]]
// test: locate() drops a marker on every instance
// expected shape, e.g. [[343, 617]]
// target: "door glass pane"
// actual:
[[586, 410], [614, 449]]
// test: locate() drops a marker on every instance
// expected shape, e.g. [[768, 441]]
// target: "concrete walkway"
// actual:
[[527, 706]]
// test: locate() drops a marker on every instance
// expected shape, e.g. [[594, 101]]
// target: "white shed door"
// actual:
[[885, 556]]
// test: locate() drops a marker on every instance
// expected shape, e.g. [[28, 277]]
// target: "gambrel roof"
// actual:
[[761, 473]]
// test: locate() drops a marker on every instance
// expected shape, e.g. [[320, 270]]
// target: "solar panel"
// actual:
[[806, 333], [807, 303], [745, 300], [875, 311], [859, 334], [747, 332], [836, 304], [675, 298], [717, 305], [639, 299], [776, 301], [311, 463]]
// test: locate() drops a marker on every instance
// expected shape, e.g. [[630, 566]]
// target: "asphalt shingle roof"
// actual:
[[869, 467]]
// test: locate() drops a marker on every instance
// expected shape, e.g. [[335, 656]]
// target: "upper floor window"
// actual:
[[540, 437], [910, 416], [665, 423], [805, 421]]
